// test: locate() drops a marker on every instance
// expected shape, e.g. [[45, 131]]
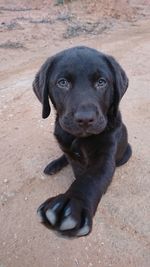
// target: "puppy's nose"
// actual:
[[85, 118]]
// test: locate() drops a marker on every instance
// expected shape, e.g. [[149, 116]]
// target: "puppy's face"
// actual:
[[81, 83], [81, 88]]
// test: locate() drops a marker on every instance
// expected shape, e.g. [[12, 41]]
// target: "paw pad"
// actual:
[[66, 216]]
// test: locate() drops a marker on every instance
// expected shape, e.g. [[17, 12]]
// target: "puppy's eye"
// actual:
[[100, 83], [63, 83]]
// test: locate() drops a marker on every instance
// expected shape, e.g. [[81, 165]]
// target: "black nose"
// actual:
[[85, 118]]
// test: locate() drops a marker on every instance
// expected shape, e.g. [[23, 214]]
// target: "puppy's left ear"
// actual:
[[40, 87], [120, 82]]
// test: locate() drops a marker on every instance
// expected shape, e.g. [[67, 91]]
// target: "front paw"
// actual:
[[67, 215], [56, 165]]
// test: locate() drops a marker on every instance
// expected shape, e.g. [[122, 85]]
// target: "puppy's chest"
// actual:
[[82, 151]]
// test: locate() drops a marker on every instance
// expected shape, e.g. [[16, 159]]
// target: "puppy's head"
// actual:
[[85, 87]]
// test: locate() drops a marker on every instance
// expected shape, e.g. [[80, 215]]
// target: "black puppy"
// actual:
[[85, 87]]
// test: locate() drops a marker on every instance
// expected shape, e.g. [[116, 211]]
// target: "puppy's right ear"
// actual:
[[40, 86]]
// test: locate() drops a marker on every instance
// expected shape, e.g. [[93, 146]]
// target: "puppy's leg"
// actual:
[[71, 213], [56, 165], [126, 156]]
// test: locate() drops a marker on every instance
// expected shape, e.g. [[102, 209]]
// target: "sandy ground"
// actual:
[[28, 34]]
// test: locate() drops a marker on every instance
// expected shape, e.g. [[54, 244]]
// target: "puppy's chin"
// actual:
[[85, 134], [82, 134]]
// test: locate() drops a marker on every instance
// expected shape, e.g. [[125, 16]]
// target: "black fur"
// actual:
[[85, 87]]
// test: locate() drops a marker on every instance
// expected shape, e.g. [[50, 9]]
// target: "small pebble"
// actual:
[[5, 181], [10, 115], [42, 177], [76, 261], [15, 236]]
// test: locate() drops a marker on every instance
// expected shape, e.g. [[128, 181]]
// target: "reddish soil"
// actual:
[[30, 31]]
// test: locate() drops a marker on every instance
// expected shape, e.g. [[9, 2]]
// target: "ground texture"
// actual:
[[30, 31]]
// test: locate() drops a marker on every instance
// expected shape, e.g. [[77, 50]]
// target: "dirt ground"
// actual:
[[30, 31]]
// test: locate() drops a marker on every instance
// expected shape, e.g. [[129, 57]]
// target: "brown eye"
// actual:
[[63, 83], [101, 83]]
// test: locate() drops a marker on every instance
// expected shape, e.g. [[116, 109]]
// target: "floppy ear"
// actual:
[[40, 87], [120, 83]]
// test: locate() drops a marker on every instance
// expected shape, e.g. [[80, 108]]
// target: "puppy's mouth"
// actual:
[[86, 133], [82, 132]]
